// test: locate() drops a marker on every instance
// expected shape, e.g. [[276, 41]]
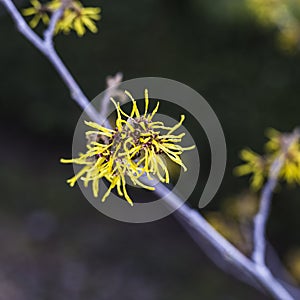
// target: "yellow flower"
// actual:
[[75, 16], [274, 143], [39, 13], [134, 148], [255, 165], [78, 18], [280, 145]]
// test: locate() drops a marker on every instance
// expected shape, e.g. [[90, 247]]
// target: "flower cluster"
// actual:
[[135, 148], [75, 16], [283, 145]]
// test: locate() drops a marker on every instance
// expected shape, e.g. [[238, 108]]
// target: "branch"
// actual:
[[45, 46], [49, 33], [260, 219], [22, 25], [231, 254], [112, 83]]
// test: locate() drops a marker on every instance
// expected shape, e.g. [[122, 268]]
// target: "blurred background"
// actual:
[[54, 244]]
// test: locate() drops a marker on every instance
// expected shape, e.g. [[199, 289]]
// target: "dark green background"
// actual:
[[54, 244]]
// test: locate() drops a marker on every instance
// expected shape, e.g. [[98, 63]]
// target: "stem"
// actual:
[[46, 47], [112, 84], [260, 219], [49, 33], [196, 221]]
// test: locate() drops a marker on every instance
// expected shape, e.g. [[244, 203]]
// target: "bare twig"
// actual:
[[196, 221], [46, 47], [112, 83], [22, 25], [49, 33], [260, 219]]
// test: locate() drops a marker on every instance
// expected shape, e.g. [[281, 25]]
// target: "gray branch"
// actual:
[[46, 47], [260, 220], [49, 33], [112, 84], [230, 253], [192, 217]]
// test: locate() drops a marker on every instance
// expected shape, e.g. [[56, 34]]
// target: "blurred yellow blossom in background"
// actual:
[[282, 14], [254, 165], [290, 171], [278, 146], [242, 207], [293, 263]]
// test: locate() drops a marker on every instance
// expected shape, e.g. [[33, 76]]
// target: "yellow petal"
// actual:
[[78, 27]]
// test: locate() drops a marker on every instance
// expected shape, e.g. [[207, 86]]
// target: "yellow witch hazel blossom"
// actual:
[[285, 146], [255, 165], [135, 148], [279, 142], [40, 12], [75, 16]]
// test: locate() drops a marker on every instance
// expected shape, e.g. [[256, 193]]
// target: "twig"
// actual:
[[49, 33], [260, 219], [112, 83], [196, 221], [22, 25], [46, 47]]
